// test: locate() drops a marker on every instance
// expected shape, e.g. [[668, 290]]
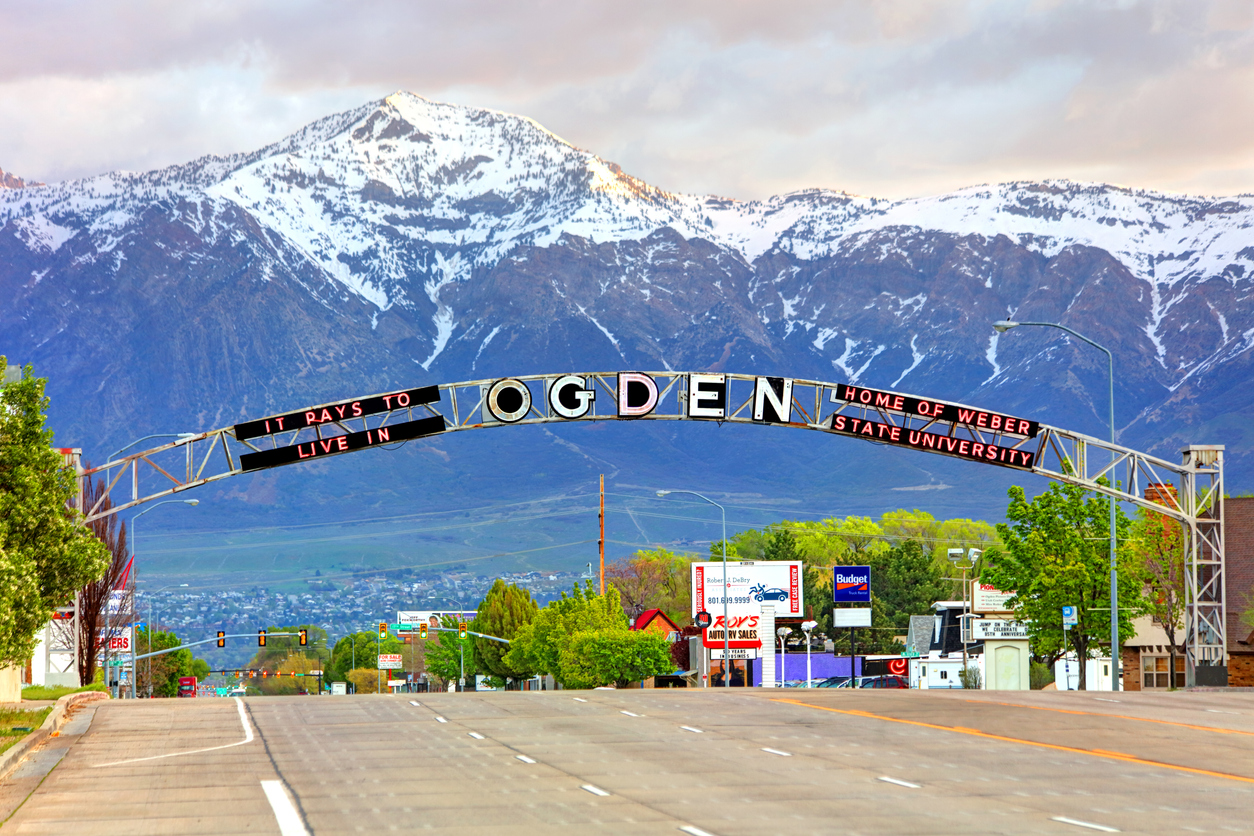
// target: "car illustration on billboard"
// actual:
[[761, 593]]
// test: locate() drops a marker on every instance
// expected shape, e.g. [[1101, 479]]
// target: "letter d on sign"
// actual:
[[637, 394]]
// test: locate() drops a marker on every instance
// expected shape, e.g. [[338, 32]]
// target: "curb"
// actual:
[[51, 727]]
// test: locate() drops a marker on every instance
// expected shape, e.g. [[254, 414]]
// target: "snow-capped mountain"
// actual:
[[410, 241]]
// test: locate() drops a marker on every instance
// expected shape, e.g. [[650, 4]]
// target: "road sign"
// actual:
[[704, 619], [851, 585], [390, 661], [910, 653], [1070, 617]]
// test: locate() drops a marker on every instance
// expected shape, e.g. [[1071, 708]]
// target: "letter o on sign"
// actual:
[[509, 400]]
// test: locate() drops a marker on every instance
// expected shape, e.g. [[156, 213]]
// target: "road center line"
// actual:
[[691, 729], [1099, 753], [595, 790], [248, 738], [900, 782], [1103, 828], [777, 752], [289, 820], [1117, 717]]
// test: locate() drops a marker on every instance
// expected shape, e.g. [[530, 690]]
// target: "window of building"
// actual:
[[1154, 671]]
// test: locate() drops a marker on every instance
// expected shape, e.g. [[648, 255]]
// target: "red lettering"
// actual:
[[838, 423], [930, 439], [964, 447], [914, 438], [383, 434], [326, 416], [403, 399], [965, 415], [982, 420], [339, 410], [280, 420], [387, 401], [310, 418], [267, 425], [977, 450], [865, 396], [895, 432], [1023, 428], [850, 393], [356, 409], [300, 451], [991, 453], [866, 428], [996, 422], [899, 403], [343, 443], [325, 444], [881, 399]]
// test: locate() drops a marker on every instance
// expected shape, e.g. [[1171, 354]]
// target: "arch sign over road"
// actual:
[[1190, 492]]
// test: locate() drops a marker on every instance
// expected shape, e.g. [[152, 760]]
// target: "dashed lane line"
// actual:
[[777, 752], [691, 729], [899, 782], [1090, 825], [595, 790]]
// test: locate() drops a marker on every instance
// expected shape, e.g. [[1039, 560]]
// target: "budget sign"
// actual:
[[851, 585]]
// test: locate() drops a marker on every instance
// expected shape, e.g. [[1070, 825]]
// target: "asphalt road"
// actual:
[[744, 762]]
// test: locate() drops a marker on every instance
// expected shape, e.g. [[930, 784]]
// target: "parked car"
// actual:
[[832, 682], [883, 681]]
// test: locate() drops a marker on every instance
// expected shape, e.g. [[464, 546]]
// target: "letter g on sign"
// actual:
[[509, 400], [568, 397]]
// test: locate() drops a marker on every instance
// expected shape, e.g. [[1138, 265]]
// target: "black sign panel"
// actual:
[[337, 412], [334, 445], [962, 448], [977, 418]]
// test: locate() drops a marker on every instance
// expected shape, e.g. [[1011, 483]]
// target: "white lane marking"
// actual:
[[1103, 828], [289, 820], [1103, 699], [691, 729], [411, 702], [525, 759], [628, 713], [580, 699], [248, 738], [440, 720], [777, 752], [695, 831], [900, 782], [1217, 711], [475, 735], [594, 790]]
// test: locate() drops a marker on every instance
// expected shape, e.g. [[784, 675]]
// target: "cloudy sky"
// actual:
[[744, 99]]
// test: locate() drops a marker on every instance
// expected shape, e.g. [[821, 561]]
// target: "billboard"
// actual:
[[851, 585], [743, 633], [390, 661], [432, 617], [986, 598], [750, 584]]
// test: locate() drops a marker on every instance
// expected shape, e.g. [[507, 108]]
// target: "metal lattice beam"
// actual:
[[1194, 495]]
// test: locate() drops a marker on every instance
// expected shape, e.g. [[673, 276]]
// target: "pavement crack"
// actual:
[[291, 791]]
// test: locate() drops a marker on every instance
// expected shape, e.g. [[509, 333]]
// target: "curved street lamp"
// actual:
[[1115, 666], [191, 502], [726, 620]]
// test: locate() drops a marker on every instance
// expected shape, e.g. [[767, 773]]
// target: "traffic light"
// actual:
[[304, 637], [221, 638], [461, 630], [383, 630], [261, 638], [422, 631]]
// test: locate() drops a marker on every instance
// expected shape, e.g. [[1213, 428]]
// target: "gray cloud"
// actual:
[[737, 98]]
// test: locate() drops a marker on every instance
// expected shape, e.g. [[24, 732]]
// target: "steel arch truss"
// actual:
[[1190, 492]]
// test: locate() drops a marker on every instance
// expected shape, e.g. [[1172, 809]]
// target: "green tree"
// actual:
[[908, 581], [280, 648], [1056, 555], [445, 653], [538, 646], [1158, 544], [363, 649], [505, 610], [593, 658], [159, 675], [45, 554]]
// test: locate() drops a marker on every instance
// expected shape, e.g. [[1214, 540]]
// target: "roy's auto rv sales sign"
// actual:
[[750, 584]]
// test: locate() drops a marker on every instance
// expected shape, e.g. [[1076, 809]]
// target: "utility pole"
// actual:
[[601, 541]]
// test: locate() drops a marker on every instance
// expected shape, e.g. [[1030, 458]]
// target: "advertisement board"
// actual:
[[734, 653], [743, 633], [432, 617], [750, 584], [390, 661], [851, 585], [986, 598], [997, 629]]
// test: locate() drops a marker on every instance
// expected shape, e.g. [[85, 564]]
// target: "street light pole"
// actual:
[[191, 502], [726, 620], [807, 626], [1004, 326]]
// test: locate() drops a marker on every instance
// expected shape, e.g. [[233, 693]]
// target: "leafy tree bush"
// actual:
[[445, 653], [503, 612], [1057, 554], [1039, 675], [538, 646], [45, 554], [593, 658], [654, 579]]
